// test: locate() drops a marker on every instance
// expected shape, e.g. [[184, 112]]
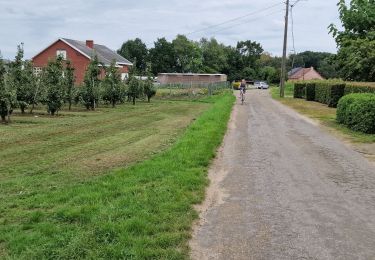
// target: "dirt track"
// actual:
[[281, 188]]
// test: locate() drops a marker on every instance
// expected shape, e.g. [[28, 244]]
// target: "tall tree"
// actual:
[[214, 56], [188, 55], [162, 57], [135, 50], [356, 42], [90, 91]]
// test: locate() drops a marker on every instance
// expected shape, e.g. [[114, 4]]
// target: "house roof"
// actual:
[[105, 55], [298, 73]]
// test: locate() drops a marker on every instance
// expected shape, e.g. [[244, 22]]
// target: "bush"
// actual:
[[329, 93], [357, 111], [299, 90], [310, 91]]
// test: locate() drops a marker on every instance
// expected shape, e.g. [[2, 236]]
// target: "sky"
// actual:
[[38, 23]]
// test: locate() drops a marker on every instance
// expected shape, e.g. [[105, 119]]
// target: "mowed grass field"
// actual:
[[109, 184], [321, 112]]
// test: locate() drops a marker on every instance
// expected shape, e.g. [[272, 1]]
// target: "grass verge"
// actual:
[[141, 212], [322, 113]]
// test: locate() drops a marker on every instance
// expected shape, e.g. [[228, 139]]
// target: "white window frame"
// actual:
[[61, 53], [37, 70]]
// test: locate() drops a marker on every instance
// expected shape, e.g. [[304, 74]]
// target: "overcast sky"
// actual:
[[38, 23]]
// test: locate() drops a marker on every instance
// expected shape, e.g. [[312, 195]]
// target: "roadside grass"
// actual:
[[144, 211], [322, 113]]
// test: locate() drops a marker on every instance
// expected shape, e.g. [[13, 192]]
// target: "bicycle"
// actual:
[[242, 96]]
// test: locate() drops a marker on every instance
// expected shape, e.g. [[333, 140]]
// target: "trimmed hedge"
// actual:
[[356, 88], [357, 111], [329, 93], [299, 90], [310, 91]]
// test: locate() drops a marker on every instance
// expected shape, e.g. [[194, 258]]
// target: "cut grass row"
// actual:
[[140, 212], [321, 112]]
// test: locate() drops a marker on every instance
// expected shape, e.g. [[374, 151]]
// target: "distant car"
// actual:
[[261, 85]]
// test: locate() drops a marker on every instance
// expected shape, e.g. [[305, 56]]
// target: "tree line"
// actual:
[[355, 60], [247, 59], [54, 86]]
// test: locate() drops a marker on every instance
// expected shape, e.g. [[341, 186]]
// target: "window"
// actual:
[[37, 70], [61, 53], [124, 76]]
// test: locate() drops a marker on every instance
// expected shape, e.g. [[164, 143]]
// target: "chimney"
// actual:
[[90, 44]]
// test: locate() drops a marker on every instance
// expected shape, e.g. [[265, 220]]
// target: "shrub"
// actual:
[[357, 111], [310, 91], [329, 93], [299, 90]]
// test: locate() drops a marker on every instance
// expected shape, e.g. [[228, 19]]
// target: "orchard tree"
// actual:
[[18, 81], [69, 79], [53, 82], [7, 95], [112, 85], [148, 86], [135, 88], [90, 91], [356, 42]]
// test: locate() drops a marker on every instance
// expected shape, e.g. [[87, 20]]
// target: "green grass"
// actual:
[[321, 112], [140, 212]]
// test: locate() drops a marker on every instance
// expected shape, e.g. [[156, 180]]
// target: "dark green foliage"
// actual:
[[310, 91], [299, 90], [135, 50], [162, 57], [90, 91], [112, 86], [188, 55], [357, 111], [356, 42], [329, 93], [53, 82]]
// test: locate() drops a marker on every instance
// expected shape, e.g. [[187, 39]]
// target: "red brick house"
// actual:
[[79, 54], [304, 74]]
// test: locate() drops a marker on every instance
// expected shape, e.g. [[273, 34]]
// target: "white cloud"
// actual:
[[37, 23]]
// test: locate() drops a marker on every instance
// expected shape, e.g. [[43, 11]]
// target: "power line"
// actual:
[[228, 21], [229, 27], [234, 19]]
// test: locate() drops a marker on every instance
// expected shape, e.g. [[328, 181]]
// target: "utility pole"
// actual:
[[283, 63]]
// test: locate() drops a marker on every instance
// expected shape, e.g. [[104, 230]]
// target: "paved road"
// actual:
[[284, 189]]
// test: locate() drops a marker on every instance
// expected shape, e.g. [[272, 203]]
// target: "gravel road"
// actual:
[[282, 188]]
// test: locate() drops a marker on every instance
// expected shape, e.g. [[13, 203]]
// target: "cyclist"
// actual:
[[242, 90]]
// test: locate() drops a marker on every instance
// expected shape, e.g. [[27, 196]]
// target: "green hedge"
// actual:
[[310, 91], [356, 88], [329, 93], [357, 111], [299, 90]]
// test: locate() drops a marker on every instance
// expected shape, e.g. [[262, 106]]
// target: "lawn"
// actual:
[[114, 183], [322, 113]]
